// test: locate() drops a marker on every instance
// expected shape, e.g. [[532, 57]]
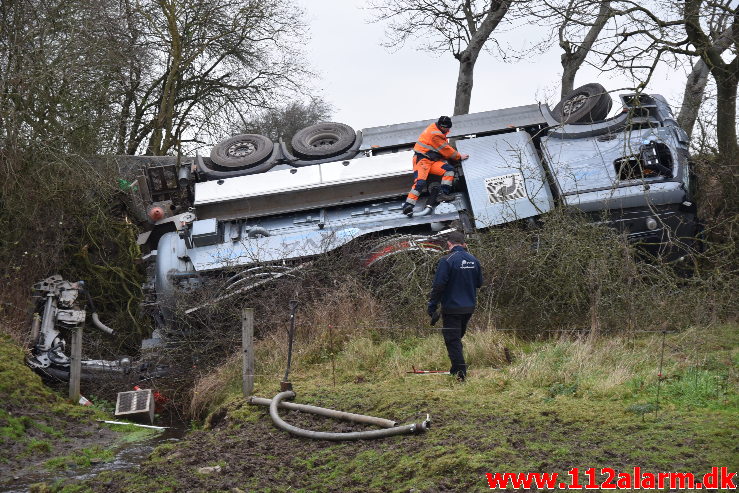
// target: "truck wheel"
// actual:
[[586, 104], [242, 151], [323, 140]]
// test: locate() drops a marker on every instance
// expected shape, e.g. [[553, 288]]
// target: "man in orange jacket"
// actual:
[[431, 152]]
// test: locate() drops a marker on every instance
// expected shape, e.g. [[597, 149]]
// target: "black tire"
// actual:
[[586, 104], [323, 140], [242, 151]]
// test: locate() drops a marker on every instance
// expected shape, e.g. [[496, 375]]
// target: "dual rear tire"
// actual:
[[252, 153]]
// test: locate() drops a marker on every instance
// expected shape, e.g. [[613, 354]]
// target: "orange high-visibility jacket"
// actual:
[[431, 141]]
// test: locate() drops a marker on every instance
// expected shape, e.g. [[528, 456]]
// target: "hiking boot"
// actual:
[[408, 209], [445, 197]]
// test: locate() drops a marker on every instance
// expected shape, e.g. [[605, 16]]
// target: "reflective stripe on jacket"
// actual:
[[433, 139]]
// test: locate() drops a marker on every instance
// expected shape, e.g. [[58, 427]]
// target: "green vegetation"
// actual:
[[565, 353], [32, 417], [80, 458], [41, 430], [18, 384], [561, 403]]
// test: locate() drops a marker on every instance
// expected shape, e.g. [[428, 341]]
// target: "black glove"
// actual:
[[431, 308], [435, 318]]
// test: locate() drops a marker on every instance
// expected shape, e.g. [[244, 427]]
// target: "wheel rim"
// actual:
[[574, 104], [241, 149], [321, 141]]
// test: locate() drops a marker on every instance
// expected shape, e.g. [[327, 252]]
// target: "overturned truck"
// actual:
[[255, 208]]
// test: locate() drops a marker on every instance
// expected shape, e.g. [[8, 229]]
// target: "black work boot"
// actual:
[[445, 197], [408, 209]]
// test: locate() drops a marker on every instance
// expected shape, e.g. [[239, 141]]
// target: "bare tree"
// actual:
[[578, 31], [461, 27], [698, 77], [650, 37], [205, 63], [726, 74], [283, 122], [56, 85]]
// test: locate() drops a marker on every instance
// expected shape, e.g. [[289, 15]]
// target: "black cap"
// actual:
[[455, 238], [444, 121]]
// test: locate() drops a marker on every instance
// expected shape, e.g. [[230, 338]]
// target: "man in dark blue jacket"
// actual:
[[458, 276]]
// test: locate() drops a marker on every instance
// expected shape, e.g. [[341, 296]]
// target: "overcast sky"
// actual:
[[368, 85]]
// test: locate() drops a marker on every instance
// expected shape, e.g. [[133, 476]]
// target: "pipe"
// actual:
[[355, 435], [329, 413], [183, 175], [423, 212], [35, 329], [96, 321]]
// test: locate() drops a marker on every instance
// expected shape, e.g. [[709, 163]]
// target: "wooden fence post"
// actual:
[[75, 365], [247, 344]]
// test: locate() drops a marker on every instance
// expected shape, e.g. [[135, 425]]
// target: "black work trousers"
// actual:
[[455, 325]]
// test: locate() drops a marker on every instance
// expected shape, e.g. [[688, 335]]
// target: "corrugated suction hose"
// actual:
[[354, 435]]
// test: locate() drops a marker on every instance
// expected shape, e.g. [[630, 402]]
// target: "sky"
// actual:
[[369, 85]]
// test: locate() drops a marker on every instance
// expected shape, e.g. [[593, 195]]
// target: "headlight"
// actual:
[[652, 223]]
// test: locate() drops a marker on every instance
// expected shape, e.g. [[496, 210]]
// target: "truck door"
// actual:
[[505, 178]]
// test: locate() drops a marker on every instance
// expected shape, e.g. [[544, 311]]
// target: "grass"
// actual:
[[33, 418], [19, 386], [81, 458], [40, 428], [562, 403], [699, 365]]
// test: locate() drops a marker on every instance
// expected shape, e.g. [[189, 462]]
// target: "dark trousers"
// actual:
[[455, 325]]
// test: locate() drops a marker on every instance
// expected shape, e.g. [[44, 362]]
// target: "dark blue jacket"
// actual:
[[458, 275]]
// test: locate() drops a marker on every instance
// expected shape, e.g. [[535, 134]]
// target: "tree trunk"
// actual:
[[463, 95], [123, 121], [696, 86], [468, 57], [693, 96], [164, 119], [726, 84], [568, 76], [573, 60]]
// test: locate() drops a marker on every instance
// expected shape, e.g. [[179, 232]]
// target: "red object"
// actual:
[[156, 213], [159, 399]]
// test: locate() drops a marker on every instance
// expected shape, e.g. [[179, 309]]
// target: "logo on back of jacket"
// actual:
[[467, 264]]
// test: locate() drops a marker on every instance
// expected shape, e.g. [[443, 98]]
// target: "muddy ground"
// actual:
[[469, 438]]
